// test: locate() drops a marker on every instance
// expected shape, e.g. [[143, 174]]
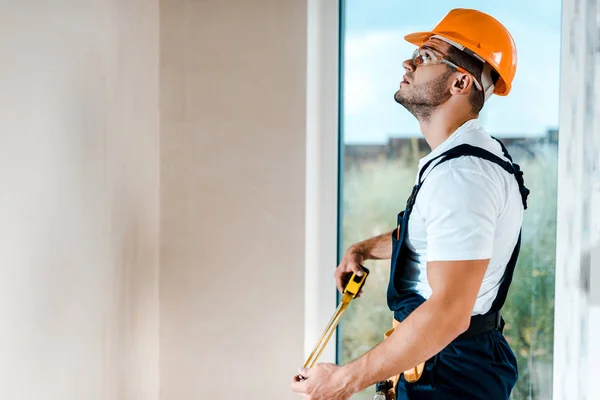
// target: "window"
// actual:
[[381, 146]]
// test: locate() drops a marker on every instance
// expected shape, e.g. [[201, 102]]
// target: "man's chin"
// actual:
[[399, 98]]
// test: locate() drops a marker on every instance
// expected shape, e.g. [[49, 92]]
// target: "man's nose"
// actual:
[[409, 66]]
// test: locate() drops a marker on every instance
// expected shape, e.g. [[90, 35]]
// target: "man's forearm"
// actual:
[[429, 329], [376, 248]]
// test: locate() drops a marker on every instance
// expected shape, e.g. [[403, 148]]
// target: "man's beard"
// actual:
[[425, 98]]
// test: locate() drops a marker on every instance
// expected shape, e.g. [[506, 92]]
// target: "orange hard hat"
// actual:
[[481, 36]]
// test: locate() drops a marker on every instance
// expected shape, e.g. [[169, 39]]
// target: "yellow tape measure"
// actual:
[[356, 283], [352, 289]]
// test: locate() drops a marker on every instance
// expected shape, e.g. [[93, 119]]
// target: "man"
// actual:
[[458, 239]]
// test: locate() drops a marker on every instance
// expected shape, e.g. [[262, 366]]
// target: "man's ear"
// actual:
[[462, 83]]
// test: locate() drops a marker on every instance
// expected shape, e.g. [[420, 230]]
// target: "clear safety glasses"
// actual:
[[428, 57]]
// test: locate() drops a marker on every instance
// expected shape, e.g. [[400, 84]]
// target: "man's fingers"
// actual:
[[352, 268], [344, 272], [343, 275], [338, 280], [357, 270], [340, 277], [298, 386], [299, 382], [304, 372]]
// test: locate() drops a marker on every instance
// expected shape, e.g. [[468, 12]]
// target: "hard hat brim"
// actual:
[[418, 38]]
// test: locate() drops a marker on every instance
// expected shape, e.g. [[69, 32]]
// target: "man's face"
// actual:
[[425, 87]]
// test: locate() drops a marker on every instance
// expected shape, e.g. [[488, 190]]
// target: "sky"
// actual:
[[374, 48]]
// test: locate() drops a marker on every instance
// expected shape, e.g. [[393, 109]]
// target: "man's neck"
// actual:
[[442, 124]]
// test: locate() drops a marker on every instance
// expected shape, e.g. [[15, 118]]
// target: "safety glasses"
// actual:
[[429, 57]]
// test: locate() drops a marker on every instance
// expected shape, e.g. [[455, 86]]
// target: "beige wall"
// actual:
[[81, 185], [232, 197], [78, 200]]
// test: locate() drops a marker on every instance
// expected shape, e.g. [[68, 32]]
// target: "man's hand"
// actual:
[[349, 264], [323, 382], [375, 248]]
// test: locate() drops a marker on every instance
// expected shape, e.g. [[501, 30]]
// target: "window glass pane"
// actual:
[[382, 145]]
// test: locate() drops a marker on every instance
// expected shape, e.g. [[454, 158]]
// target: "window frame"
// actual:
[[322, 152]]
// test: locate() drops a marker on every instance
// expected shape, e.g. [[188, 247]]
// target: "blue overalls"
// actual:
[[479, 364]]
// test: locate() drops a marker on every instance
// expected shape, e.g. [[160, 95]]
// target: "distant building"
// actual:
[[413, 148]]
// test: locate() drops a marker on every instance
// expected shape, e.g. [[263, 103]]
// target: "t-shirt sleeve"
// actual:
[[460, 208]]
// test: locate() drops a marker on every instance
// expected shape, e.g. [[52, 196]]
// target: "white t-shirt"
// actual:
[[467, 209]]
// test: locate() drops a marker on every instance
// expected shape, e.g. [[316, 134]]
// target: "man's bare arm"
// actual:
[[429, 329], [375, 248]]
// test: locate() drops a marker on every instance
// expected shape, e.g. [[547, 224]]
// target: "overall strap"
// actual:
[[468, 150], [508, 166], [504, 151], [506, 279]]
